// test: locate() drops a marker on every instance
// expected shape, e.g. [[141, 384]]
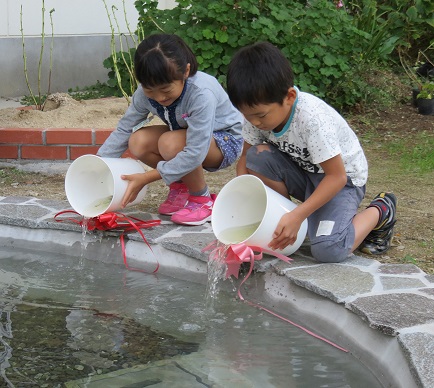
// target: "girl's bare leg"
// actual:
[[172, 142], [143, 144]]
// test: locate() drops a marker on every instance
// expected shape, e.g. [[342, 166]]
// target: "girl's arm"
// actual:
[[136, 182], [334, 180], [117, 143], [201, 111]]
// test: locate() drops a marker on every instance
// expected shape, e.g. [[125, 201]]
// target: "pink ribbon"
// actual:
[[236, 254]]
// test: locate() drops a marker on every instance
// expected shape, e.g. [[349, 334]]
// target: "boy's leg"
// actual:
[[277, 170], [330, 229], [379, 239]]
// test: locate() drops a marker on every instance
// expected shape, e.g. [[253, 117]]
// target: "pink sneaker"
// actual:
[[197, 211], [176, 200]]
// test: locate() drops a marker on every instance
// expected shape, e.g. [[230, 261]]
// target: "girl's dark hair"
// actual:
[[259, 74], [161, 59]]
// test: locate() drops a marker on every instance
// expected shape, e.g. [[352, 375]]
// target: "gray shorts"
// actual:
[[230, 147], [330, 228]]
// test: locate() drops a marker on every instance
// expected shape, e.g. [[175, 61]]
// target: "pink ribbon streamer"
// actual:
[[236, 254]]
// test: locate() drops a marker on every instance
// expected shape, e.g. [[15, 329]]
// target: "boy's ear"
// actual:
[[291, 95]]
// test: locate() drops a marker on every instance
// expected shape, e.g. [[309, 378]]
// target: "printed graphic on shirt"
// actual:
[[316, 134], [299, 155]]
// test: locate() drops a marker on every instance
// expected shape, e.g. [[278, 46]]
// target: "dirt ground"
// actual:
[[414, 232]]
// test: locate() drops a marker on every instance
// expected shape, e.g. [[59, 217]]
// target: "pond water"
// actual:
[[71, 322]]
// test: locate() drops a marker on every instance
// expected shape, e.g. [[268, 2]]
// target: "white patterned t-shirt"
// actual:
[[316, 133]]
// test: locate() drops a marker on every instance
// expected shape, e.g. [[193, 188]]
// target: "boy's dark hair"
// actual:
[[161, 59], [259, 74]]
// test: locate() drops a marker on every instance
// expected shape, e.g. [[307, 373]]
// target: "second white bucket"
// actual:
[[247, 211], [94, 186]]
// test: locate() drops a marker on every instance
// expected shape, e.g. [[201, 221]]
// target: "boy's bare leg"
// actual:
[[363, 223]]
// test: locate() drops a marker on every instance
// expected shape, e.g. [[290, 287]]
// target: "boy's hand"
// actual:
[[241, 164], [136, 182], [286, 231]]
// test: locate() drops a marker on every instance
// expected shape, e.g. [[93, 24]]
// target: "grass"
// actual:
[[415, 154], [11, 175], [98, 90]]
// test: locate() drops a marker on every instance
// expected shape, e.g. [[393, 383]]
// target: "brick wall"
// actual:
[[50, 143]]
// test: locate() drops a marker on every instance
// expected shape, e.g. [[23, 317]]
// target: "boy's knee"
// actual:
[[262, 152], [329, 252]]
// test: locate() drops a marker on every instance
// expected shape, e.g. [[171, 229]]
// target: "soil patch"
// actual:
[[414, 232], [62, 111]]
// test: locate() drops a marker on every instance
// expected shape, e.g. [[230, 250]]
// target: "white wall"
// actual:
[[77, 17], [70, 17], [82, 41]]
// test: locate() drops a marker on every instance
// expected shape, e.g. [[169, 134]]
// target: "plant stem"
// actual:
[[129, 64], [41, 55], [25, 58], [51, 56]]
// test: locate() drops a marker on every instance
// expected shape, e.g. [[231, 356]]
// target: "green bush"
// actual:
[[411, 22], [125, 77], [326, 49], [330, 48]]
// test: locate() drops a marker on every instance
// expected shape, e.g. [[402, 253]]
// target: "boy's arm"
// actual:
[[334, 180], [241, 164]]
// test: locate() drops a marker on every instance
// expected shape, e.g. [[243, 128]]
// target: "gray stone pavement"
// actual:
[[387, 302]]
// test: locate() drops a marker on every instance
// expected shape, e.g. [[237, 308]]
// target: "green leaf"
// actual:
[[221, 36], [112, 82], [108, 63], [254, 10], [412, 13], [208, 34], [329, 60], [308, 52]]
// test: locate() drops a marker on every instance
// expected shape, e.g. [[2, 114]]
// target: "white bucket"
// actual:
[[94, 186], [247, 211]]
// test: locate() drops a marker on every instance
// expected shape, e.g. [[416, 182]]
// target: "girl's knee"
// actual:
[[170, 144], [137, 146], [329, 252]]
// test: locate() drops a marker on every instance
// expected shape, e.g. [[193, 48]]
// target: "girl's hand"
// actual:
[[286, 231], [136, 182]]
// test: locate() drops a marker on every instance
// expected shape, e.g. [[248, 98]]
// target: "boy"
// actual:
[[301, 147]]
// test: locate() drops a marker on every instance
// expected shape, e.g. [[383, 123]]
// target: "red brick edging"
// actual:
[[50, 143]]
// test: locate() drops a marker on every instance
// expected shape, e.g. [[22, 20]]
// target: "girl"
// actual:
[[202, 129]]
